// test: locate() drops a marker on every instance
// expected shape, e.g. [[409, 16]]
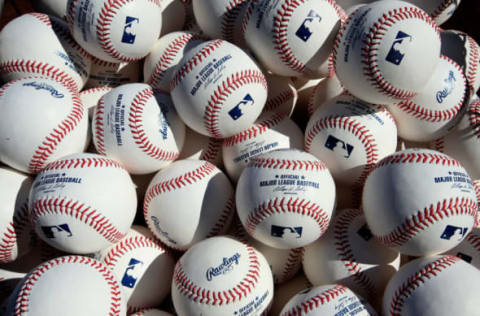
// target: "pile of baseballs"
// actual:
[[239, 157]]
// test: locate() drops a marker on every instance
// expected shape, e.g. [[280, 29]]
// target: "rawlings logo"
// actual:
[[43, 86], [450, 84], [225, 267]]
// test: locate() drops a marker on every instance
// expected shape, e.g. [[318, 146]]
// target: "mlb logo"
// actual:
[[132, 272], [285, 231], [454, 231], [236, 112], [397, 51], [338, 145], [365, 233], [304, 31], [129, 30], [55, 231]]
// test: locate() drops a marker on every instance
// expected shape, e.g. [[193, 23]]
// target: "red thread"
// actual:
[[293, 263], [213, 149], [66, 35], [225, 218], [442, 7], [95, 90], [414, 157], [474, 117], [275, 102], [99, 132], [95, 162], [232, 13], [473, 57], [13, 233], [42, 17], [260, 162]]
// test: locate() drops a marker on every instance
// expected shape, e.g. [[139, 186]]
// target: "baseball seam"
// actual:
[[83, 163], [275, 102], [99, 132], [42, 17], [474, 117], [213, 149], [64, 33], [307, 165], [292, 264], [413, 157], [13, 233], [441, 8], [96, 90], [232, 12], [473, 61], [224, 219]]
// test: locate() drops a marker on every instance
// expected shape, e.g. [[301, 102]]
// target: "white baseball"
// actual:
[[174, 15], [439, 10], [350, 136], [36, 45], [82, 203], [448, 283], [332, 299], [82, 286], [419, 202], [138, 127], [142, 266], [115, 31], [285, 198], [167, 52], [476, 185], [469, 249], [305, 89], [90, 98], [59, 128], [380, 44], [151, 312], [463, 142], [221, 276], [285, 291], [349, 254], [324, 91], [292, 37], [270, 132], [188, 201], [282, 95], [15, 226], [202, 147], [434, 111], [106, 74], [218, 90]]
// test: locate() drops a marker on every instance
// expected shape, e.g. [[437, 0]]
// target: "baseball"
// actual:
[[292, 38], [56, 8], [90, 98], [115, 31], [434, 111], [324, 91], [188, 201], [476, 185], [448, 283], [285, 291], [419, 202], [270, 132], [36, 45], [218, 90], [439, 10], [350, 136], [15, 227], [348, 254], [151, 312], [174, 15], [75, 281], [202, 147], [285, 198], [380, 45], [167, 52], [106, 74], [60, 126], [332, 299], [221, 276], [138, 127], [143, 267], [469, 249], [282, 95], [82, 203], [463, 142]]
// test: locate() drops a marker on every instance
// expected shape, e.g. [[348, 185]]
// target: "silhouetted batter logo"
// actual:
[[464, 257], [365, 232], [236, 112], [454, 231], [129, 30], [305, 30], [286, 231], [61, 230], [132, 272], [339, 146], [399, 47]]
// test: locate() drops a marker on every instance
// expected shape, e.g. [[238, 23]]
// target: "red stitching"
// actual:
[[95, 162], [260, 162], [224, 89], [99, 132], [314, 302], [217, 298], [345, 251], [420, 112], [474, 240], [473, 56], [338, 38], [135, 119], [194, 61], [22, 301], [176, 183], [108, 12], [439, 144], [80, 211], [213, 149], [255, 130], [286, 205], [232, 13], [13, 233], [274, 102], [70, 16], [42, 17], [225, 218], [63, 31], [370, 50], [293, 263], [247, 15], [414, 281], [169, 55], [427, 217], [421, 157], [95, 90], [439, 10], [474, 117]]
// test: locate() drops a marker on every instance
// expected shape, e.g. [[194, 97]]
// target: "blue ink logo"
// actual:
[[449, 85], [365, 233], [164, 124], [156, 223], [286, 231], [52, 232], [397, 51], [339, 146], [132, 272], [129, 30], [464, 257], [223, 268], [451, 231], [43, 86], [236, 113], [304, 31]]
